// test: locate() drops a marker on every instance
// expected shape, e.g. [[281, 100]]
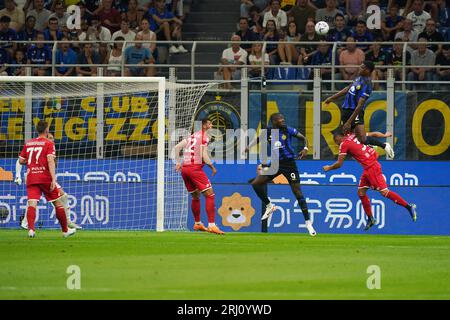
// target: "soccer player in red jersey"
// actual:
[[39, 155], [195, 156], [372, 176], [64, 197]]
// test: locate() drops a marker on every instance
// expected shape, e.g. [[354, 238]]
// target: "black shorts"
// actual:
[[289, 170], [347, 113]]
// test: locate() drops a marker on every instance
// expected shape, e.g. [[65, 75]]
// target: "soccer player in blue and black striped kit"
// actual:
[[352, 110], [280, 136]]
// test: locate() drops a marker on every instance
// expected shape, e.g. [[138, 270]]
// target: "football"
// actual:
[[322, 28]]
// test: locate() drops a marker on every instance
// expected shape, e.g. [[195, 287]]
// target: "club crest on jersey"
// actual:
[[277, 145], [283, 137]]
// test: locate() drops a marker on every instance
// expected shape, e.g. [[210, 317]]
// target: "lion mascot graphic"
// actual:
[[236, 211]]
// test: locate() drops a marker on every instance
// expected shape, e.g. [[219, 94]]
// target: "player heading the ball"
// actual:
[[372, 176], [39, 155], [195, 156], [355, 102]]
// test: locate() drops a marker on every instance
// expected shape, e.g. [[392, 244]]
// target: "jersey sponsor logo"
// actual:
[[236, 211]]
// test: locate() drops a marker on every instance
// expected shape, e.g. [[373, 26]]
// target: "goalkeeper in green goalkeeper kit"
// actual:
[[64, 197]]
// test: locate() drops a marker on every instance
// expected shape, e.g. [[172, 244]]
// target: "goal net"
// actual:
[[111, 159]]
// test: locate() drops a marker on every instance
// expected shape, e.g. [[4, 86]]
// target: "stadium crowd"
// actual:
[[110, 22], [22, 22], [293, 21]]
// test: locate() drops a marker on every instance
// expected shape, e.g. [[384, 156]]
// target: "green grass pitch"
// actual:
[[185, 265]]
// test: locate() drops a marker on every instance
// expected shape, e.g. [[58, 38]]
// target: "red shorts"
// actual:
[[35, 191], [372, 177], [195, 179]]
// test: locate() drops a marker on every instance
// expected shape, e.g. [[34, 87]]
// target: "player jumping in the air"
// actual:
[[63, 199], [283, 152], [372, 176], [39, 155], [352, 110], [195, 156]]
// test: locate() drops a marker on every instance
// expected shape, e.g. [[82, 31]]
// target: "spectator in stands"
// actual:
[[8, 35], [256, 59], [350, 56], [255, 20], [19, 58], [443, 13], [87, 59], [115, 58], [15, 14], [328, 13], [432, 35], [133, 15], [110, 17], [84, 13], [323, 56], [273, 36], [165, 25], [4, 61], [340, 33], [355, 10], [39, 54], [392, 23], [124, 32], [395, 58], [28, 33], [422, 57], [97, 32], [275, 14], [92, 5], [30, 4], [61, 15], [65, 55], [301, 13], [148, 35], [52, 32], [379, 58], [232, 57], [377, 33], [404, 6], [41, 14], [443, 59], [247, 4], [418, 16], [139, 55], [289, 52], [408, 35], [246, 34], [362, 34], [306, 50]]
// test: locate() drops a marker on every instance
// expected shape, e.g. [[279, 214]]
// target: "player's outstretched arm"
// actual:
[[336, 165], [304, 152], [178, 148], [378, 134], [52, 169], [207, 160], [19, 164], [337, 95]]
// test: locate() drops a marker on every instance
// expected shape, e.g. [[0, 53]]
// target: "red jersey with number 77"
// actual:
[[365, 155], [192, 155], [35, 152]]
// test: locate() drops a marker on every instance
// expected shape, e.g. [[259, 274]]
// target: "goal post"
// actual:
[[113, 137]]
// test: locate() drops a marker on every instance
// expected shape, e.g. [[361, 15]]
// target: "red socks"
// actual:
[[366, 205], [61, 216], [210, 207], [195, 206], [31, 216], [396, 198]]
